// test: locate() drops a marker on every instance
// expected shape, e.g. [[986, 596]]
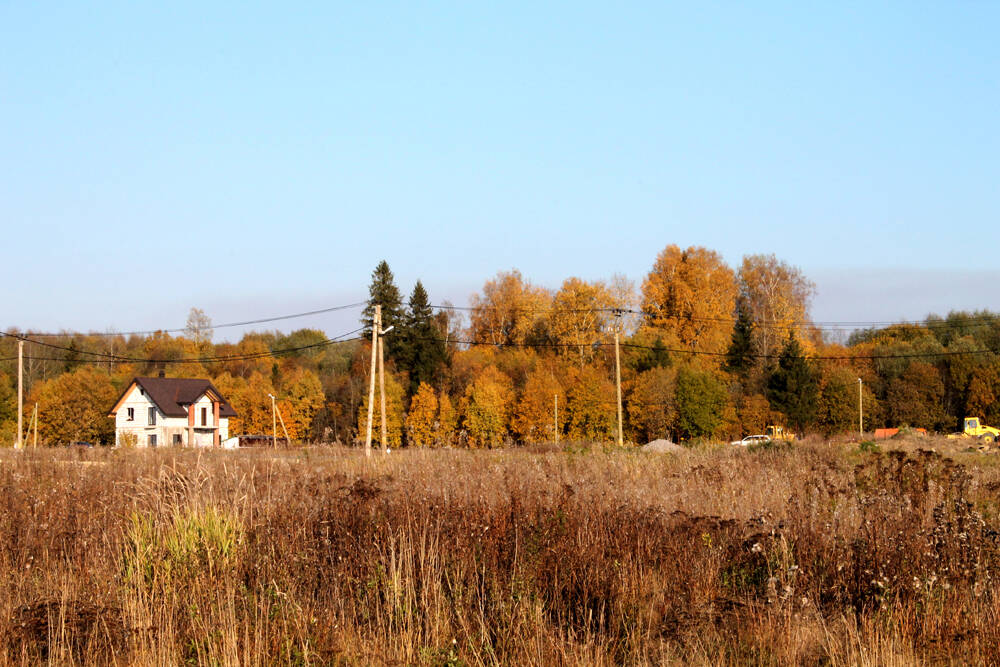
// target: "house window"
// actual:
[[177, 438], [204, 416], [152, 417], [152, 440], [130, 414]]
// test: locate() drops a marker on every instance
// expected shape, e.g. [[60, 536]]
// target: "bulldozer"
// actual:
[[973, 428], [779, 434]]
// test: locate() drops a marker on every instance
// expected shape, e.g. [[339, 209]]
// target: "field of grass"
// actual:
[[820, 553]]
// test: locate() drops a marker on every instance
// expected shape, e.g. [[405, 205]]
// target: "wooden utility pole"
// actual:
[[381, 385], [274, 423], [36, 426], [861, 421], [288, 440], [376, 327], [555, 417], [618, 383], [20, 395]]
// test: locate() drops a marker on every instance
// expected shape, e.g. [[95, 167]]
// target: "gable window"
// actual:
[[204, 416], [152, 416], [130, 414], [151, 440]]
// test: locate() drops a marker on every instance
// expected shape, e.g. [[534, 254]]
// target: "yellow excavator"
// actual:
[[779, 434], [973, 428]]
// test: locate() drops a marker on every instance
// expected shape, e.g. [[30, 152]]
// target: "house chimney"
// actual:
[[162, 374]]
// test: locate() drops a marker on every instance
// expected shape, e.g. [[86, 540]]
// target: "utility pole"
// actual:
[[618, 383], [274, 423], [861, 422], [20, 394], [376, 327], [36, 425], [381, 385], [556, 417]]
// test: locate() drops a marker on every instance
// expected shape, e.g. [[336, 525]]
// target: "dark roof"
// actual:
[[171, 394]]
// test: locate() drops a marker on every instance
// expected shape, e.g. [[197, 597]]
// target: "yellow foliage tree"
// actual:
[[591, 406], [580, 316], [74, 406], [692, 293], [421, 420], [487, 404], [447, 420], [508, 310], [301, 398], [651, 408], [777, 296], [534, 416]]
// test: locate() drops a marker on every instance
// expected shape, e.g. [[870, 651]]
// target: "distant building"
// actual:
[[172, 411]]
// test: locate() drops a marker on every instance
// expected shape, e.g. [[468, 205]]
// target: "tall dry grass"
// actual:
[[812, 554]]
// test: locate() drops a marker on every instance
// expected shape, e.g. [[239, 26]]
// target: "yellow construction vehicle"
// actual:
[[974, 429], [779, 434]]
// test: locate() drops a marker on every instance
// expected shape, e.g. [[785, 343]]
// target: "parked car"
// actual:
[[751, 440]]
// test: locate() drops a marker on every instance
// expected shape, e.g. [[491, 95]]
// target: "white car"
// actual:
[[751, 440]]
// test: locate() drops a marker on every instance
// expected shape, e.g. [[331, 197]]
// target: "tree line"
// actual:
[[707, 351]]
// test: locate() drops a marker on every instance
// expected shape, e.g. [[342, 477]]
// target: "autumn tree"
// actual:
[[591, 406], [487, 404], [692, 293], [300, 398], [447, 420], [580, 316], [75, 406], [652, 408], [383, 291], [837, 408], [776, 296], [509, 311], [915, 398], [199, 329], [534, 416], [421, 420], [701, 401]]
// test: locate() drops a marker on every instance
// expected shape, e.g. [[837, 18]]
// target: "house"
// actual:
[[171, 411]]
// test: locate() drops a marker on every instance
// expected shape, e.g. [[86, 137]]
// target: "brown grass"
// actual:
[[816, 554]]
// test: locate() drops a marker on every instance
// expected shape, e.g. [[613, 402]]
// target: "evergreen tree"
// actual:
[[421, 349], [383, 290], [793, 387], [740, 357]]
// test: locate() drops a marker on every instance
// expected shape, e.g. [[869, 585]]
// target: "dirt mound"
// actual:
[[662, 446]]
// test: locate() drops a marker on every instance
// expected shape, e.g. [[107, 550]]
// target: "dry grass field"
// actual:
[[816, 554]]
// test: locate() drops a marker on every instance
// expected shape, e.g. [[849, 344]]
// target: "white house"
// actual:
[[172, 411]]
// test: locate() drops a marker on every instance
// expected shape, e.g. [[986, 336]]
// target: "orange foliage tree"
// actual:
[[509, 309], [692, 293], [487, 404], [580, 316], [534, 416], [75, 406], [420, 421], [591, 406], [651, 408]]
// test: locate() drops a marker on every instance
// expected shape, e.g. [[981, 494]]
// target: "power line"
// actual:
[[105, 357], [227, 325]]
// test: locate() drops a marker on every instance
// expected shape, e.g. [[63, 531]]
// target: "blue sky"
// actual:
[[254, 159]]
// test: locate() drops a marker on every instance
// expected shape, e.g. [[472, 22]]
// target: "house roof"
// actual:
[[170, 395]]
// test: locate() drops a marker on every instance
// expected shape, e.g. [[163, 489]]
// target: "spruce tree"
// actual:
[[383, 290], [422, 347], [740, 356], [793, 387]]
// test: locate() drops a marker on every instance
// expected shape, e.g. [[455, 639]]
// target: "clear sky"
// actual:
[[254, 159]]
